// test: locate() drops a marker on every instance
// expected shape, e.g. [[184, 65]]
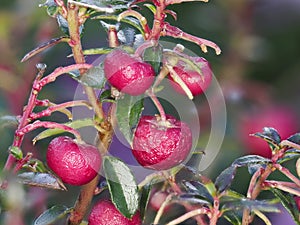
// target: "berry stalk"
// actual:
[[87, 191]]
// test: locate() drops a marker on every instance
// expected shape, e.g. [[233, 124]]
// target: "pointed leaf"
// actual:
[[263, 206], [250, 160], [150, 7], [105, 96], [16, 152], [192, 198], [289, 204], [271, 136], [7, 120], [76, 124], [44, 46], [231, 196], [35, 165], [196, 187], [97, 51], [295, 138], [233, 217], [130, 21], [224, 180], [103, 6], [52, 215], [144, 199], [129, 111], [45, 180], [122, 186], [289, 154]]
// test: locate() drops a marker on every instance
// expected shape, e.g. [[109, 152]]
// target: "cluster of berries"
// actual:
[[157, 144]]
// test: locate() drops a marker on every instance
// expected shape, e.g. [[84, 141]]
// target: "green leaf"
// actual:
[[196, 187], [192, 198], [129, 111], [129, 21], [97, 51], [250, 160], [289, 203], [8, 121], [35, 165], [16, 152], [44, 46], [45, 180], [224, 180], [105, 96], [94, 77], [76, 124], [295, 138], [233, 217], [271, 136], [263, 206], [122, 186], [52, 215], [153, 56], [108, 6], [231, 196], [144, 199], [150, 7], [289, 155]]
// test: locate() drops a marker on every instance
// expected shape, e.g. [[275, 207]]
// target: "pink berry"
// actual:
[[197, 83], [161, 145], [76, 164], [128, 74], [105, 213]]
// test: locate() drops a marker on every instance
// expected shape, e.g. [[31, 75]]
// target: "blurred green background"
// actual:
[[258, 70]]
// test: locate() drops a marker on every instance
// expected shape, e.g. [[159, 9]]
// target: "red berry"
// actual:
[[128, 74], [105, 213], [197, 83], [283, 120], [161, 145], [76, 164]]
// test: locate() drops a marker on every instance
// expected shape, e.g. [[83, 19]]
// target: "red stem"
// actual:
[[49, 125], [53, 108], [158, 22], [157, 104]]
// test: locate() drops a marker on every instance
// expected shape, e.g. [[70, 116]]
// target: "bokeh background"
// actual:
[[258, 70]]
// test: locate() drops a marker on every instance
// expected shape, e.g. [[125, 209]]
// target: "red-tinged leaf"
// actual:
[[44, 46], [45, 180]]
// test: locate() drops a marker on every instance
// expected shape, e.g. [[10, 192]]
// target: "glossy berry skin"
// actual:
[[161, 146], [283, 120], [128, 74], [196, 83], [105, 213], [76, 164]]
